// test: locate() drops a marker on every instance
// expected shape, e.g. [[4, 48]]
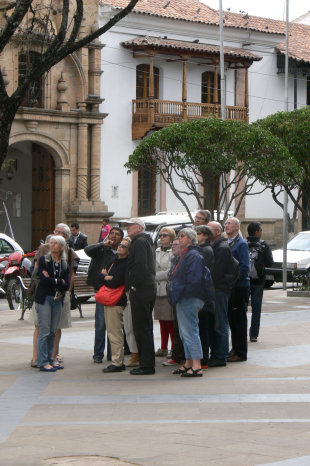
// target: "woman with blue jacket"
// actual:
[[190, 289], [54, 275]]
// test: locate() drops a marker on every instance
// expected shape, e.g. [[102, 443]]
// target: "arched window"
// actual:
[[142, 82], [34, 97], [207, 88]]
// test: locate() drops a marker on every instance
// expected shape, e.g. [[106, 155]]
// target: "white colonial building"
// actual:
[[161, 65]]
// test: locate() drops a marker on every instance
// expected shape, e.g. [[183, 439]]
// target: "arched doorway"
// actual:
[[43, 196]]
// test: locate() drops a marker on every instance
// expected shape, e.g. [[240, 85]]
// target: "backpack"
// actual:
[[257, 264]]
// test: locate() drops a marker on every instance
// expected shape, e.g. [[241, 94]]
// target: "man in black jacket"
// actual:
[[102, 255], [142, 294], [77, 239], [260, 257], [218, 327]]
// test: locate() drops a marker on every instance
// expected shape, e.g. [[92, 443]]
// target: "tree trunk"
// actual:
[[210, 195], [306, 206], [7, 115]]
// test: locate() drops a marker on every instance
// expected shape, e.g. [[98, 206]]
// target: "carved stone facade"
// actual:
[[57, 141]]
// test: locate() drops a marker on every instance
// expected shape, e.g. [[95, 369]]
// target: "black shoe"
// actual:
[[216, 363], [253, 339], [142, 371], [113, 368], [98, 360]]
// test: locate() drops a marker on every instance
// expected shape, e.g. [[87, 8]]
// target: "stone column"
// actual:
[[95, 163], [81, 182]]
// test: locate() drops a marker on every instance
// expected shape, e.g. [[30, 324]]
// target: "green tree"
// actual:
[[218, 162], [33, 22], [293, 128]]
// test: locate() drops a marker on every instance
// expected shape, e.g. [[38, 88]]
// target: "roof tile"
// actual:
[[158, 43], [195, 11]]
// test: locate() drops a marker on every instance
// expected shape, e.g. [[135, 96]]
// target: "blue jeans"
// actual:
[[256, 290], [48, 319], [100, 333], [187, 313], [218, 327]]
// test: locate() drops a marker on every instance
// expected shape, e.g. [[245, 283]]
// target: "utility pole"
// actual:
[[285, 199], [222, 71]]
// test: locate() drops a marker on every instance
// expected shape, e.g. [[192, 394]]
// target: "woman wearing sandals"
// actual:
[[189, 292], [54, 273]]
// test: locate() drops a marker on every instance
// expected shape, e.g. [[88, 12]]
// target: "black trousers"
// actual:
[[204, 316], [238, 322], [177, 353], [142, 303]]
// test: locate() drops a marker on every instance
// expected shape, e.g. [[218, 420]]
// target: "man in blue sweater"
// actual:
[[238, 301]]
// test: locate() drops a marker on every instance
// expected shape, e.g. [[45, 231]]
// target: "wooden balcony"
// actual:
[[150, 114]]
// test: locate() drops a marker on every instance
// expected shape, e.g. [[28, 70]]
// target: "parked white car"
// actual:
[[298, 259], [8, 245]]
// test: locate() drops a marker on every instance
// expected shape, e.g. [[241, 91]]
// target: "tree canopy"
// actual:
[[293, 128], [201, 154]]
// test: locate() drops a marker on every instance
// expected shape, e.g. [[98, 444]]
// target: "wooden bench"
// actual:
[[82, 290]]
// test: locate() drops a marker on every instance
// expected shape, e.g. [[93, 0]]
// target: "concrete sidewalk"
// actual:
[[250, 413]]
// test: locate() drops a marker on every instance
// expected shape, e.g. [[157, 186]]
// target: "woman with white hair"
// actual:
[[54, 275], [190, 289]]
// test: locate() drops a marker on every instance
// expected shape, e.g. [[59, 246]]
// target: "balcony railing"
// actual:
[[153, 113]]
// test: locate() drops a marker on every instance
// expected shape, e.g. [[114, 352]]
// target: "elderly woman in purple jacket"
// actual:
[[190, 289]]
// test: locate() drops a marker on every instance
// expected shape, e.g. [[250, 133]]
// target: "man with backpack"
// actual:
[[260, 257]]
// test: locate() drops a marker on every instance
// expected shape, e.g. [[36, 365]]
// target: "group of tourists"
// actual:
[[197, 282]]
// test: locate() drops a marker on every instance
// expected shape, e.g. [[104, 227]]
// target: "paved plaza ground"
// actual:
[[250, 413]]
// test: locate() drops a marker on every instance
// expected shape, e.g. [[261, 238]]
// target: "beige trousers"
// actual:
[[130, 336], [114, 321]]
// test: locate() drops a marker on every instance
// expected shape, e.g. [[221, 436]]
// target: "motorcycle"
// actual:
[[18, 265]]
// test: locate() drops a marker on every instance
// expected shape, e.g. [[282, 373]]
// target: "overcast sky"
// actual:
[[267, 8]]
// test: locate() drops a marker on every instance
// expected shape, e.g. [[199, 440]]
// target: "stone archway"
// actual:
[[43, 165]]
